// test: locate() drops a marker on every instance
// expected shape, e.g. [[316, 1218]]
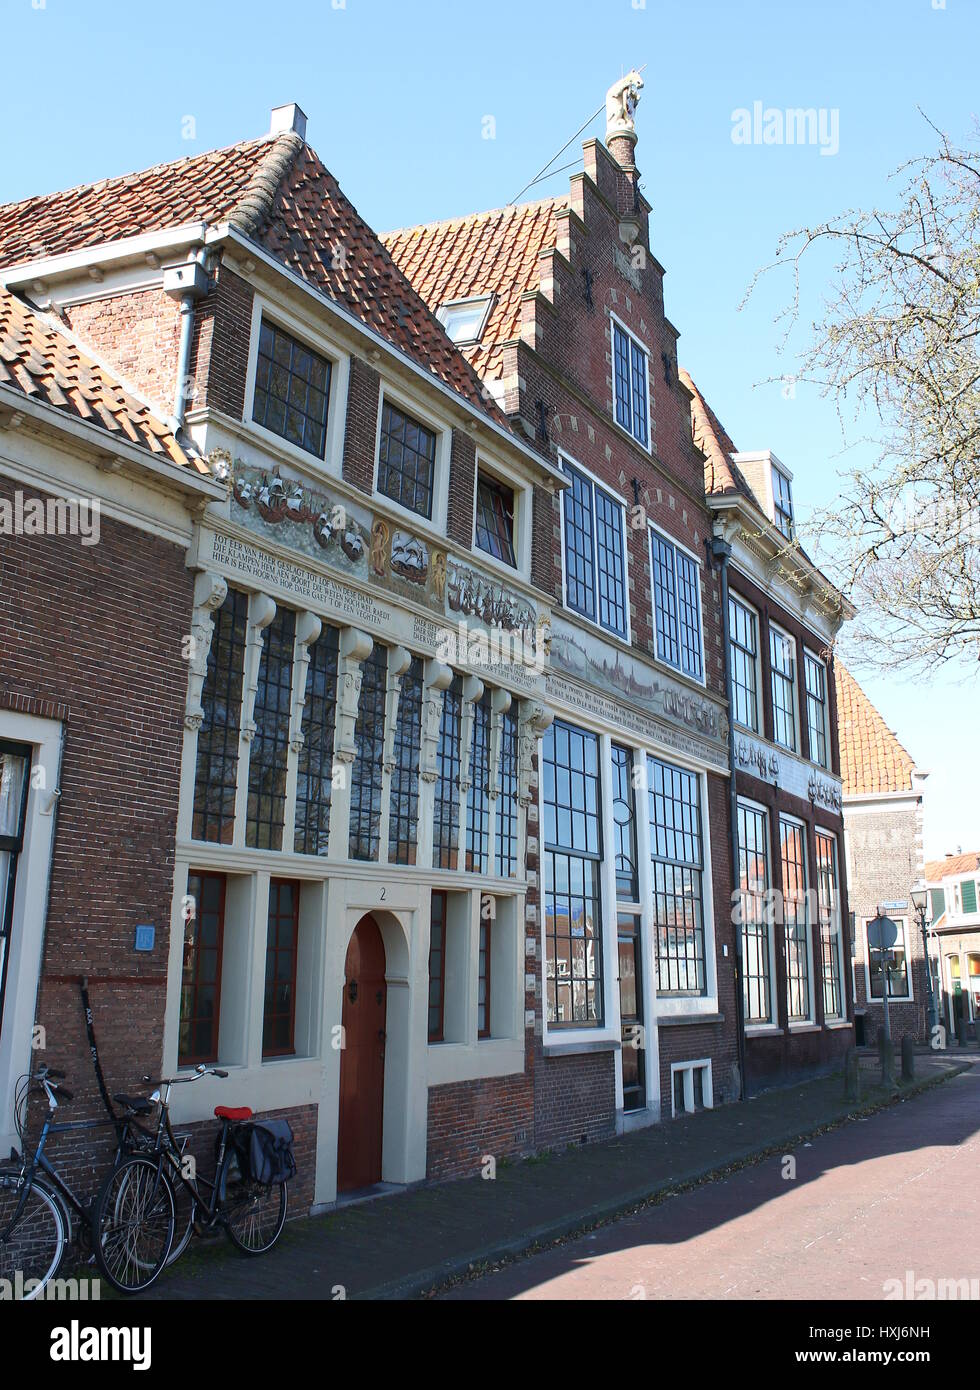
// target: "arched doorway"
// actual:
[[362, 1061]]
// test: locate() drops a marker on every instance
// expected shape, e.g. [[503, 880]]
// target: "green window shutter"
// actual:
[[938, 902], [969, 894]]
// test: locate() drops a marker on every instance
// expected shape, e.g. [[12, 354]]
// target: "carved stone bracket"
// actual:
[[472, 695], [308, 629], [355, 648], [399, 661], [261, 611], [437, 679], [210, 591], [500, 702], [535, 720]]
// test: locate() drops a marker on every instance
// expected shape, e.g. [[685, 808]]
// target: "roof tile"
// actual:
[[872, 759]]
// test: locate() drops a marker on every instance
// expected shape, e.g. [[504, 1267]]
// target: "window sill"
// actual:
[[679, 1020], [838, 1023], [581, 1047], [804, 1027], [763, 1030]]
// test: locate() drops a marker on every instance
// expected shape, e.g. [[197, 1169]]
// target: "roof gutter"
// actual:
[[226, 232], [146, 246]]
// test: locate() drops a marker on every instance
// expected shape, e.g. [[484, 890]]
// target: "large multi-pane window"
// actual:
[[218, 739], [314, 777], [483, 980], [630, 374], [676, 605], [816, 707], [792, 843], [677, 852], [404, 792], [595, 553], [753, 871], [366, 770], [507, 800], [407, 460], [782, 673], [573, 864], [478, 804], [437, 965], [624, 825], [267, 759], [282, 941], [895, 962], [200, 980], [744, 651], [292, 390], [445, 820], [828, 899], [495, 519], [782, 500]]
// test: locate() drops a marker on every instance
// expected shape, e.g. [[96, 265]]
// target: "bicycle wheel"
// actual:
[[133, 1224], [32, 1247], [254, 1215], [184, 1213]]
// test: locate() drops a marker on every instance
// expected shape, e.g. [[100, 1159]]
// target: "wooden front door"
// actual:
[[362, 1061]]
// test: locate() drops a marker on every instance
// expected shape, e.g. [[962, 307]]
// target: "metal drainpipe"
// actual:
[[184, 347], [721, 551]]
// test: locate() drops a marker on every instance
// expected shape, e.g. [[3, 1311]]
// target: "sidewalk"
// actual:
[[403, 1245]]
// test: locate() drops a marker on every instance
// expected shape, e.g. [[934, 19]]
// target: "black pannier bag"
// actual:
[[267, 1153]]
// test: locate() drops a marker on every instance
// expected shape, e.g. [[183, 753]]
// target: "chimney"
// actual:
[[286, 118]]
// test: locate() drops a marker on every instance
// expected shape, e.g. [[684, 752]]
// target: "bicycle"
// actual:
[[127, 1223], [36, 1211]]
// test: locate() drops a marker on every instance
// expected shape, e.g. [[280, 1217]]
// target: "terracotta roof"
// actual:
[[43, 361], [721, 475], [872, 759], [954, 864], [276, 192], [485, 253]]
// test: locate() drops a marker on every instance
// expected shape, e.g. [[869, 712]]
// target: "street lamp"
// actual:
[[920, 901]]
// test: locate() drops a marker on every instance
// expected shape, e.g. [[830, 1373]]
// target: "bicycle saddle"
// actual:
[[139, 1105], [227, 1112]]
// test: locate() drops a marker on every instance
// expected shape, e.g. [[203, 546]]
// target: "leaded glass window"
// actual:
[[366, 770], [796, 920], [744, 645], [404, 793], [782, 670], [406, 466], [624, 825], [292, 390], [314, 779], [677, 853], [267, 759], [676, 605], [753, 860], [281, 955], [495, 519], [478, 810], [218, 739], [595, 553], [630, 373], [445, 829], [815, 675], [507, 800]]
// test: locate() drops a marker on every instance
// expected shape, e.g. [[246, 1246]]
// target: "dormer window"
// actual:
[[495, 519], [631, 385], [782, 503], [465, 319]]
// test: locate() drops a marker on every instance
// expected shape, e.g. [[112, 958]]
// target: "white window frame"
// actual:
[[523, 515], [313, 337], [796, 1024], [759, 667], [624, 507], [26, 943], [615, 319], [908, 998], [810, 655], [707, 1086], [795, 747], [820, 833], [435, 525], [444, 312], [770, 1025], [787, 477], [676, 545]]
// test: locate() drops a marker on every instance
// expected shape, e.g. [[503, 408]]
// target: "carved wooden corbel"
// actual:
[[399, 660], [437, 679], [210, 592], [355, 648], [500, 702], [261, 611], [308, 629], [472, 695], [535, 720]]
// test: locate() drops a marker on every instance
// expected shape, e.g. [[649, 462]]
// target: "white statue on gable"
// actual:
[[621, 100]]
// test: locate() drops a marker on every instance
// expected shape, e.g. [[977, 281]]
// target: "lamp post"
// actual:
[[920, 901]]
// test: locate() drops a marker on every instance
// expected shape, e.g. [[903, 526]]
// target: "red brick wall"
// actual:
[[98, 629], [219, 357], [462, 486], [137, 334], [574, 1099], [470, 1119], [361, 433]]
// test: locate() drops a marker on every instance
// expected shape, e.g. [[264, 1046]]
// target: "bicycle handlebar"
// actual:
[[196, 1075]]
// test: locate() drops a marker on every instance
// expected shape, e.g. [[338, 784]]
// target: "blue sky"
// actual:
[[397, 95]]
